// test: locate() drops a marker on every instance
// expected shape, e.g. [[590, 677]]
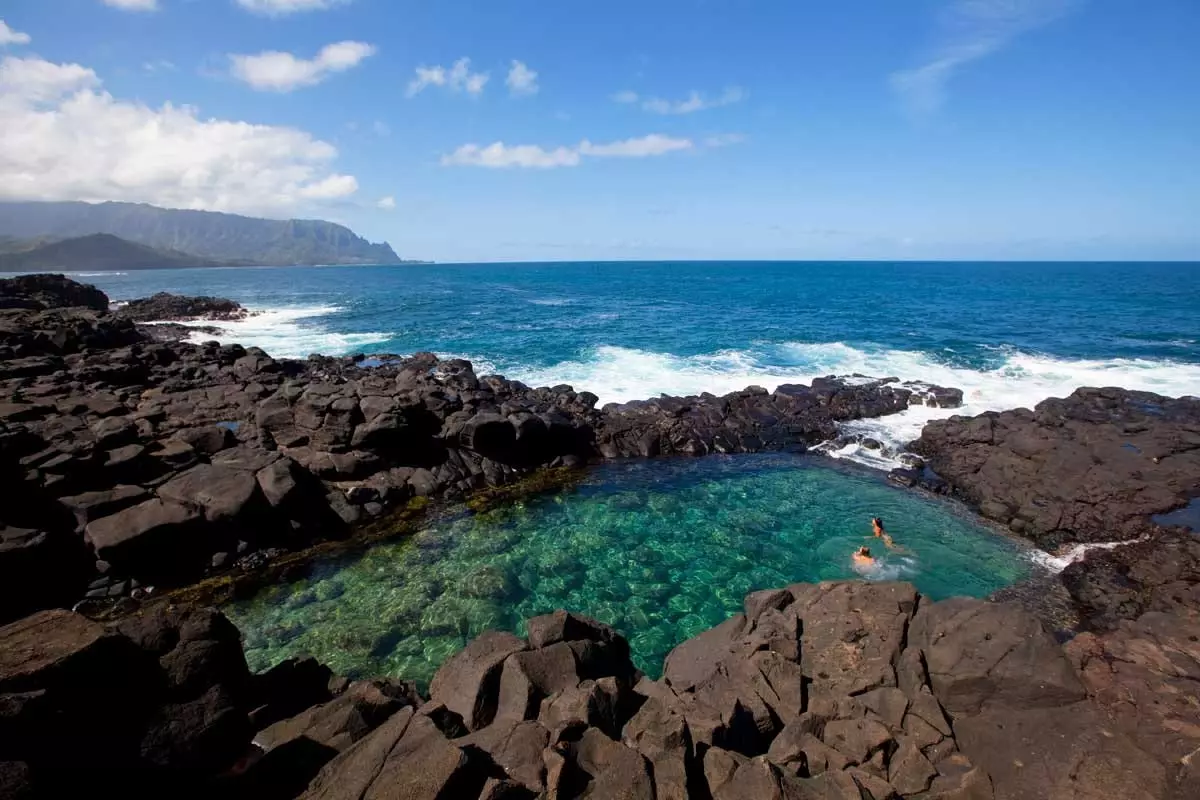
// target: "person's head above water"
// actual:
[[864, 551], [877, 521]]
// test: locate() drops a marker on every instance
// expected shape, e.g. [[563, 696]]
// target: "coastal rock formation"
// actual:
[[40, 292], [1094, 467], [167, 307], [152, 462], [1091, 467], [835, 690]]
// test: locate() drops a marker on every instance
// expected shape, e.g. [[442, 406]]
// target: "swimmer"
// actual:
[[862, 557], [880, 533]]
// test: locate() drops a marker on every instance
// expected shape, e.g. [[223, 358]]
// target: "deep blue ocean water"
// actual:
[[664, 551], [1008, 334]]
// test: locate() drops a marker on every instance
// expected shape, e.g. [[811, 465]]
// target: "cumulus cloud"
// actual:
[[275, 71], [521, 80], [133, 5], [62, 137], [276, 8], [499, 155], [9, 36], [386, 203], [458, 78], [695, 101], [969, 31]]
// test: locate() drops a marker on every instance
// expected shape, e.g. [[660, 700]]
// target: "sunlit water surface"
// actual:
[[661, 550]]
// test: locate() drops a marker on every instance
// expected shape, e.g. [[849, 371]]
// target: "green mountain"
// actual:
[[99, 251], [205, 235]]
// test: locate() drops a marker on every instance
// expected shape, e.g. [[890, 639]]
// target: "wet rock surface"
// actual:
[[833, 690], [1095, 467], [1092, 467], [148, 463], [167, 307]]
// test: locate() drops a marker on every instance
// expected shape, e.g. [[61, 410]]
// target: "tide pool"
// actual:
[[661, 550]]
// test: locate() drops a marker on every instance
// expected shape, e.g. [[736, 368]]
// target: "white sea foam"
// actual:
[[619, 374], [1064, 559], [93, 274], [286, 332], [886, 569]]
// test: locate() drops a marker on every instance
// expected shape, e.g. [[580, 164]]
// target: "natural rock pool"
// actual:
[[660, 550]]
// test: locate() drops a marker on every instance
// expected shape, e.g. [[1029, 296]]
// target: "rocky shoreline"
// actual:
[[153, 463], [144, 461]]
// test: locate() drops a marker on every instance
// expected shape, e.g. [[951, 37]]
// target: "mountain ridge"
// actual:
[[97, 251], [210, 236]]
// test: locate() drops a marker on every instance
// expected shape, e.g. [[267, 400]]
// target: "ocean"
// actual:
[[1008, 334]]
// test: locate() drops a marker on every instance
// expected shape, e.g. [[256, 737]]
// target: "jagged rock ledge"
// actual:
[[1099, 466], [149, 463], [842, 690]]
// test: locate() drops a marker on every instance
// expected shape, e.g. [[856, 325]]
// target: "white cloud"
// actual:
[[458, 78], [381, 128], [133, 5], [653, 145], [62, 137], [157, 67], [970, 30], [724, 139], [329, 188], [36, 81], [695, 101], [276, 8], [499, 155], [9, 36], [276, 71], [521, 80], [386, 203]]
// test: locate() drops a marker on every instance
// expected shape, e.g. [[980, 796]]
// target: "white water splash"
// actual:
[[1057, 563], [285, 332]]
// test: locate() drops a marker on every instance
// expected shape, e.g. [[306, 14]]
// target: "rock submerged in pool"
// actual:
[[834, 690]]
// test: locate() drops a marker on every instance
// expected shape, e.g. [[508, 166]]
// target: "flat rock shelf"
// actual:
[[660, 552]]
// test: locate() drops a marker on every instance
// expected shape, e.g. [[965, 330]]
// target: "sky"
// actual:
[[647, 129]]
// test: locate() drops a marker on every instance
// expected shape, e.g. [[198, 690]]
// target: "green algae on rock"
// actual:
[[661, 551]]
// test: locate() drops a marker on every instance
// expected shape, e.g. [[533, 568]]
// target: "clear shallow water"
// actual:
[[1008, 334], [661, 550]]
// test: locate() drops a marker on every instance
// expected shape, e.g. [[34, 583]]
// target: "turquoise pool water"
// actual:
[[660, 550]]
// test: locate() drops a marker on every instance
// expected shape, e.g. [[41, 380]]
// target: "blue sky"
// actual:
[[653, 129]]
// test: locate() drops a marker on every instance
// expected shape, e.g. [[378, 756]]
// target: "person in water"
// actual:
[[880, 533], [862, 557]]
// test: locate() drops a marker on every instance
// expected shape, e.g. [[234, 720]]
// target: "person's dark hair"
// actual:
[[878, 521]]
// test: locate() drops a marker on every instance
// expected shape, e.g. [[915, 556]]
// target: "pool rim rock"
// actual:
[[836, 689]]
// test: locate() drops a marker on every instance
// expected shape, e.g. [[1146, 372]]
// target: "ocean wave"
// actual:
[[93, 274], [1017, 380], [286, 332]]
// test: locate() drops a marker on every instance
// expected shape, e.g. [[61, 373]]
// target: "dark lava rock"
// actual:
[[167, 307], [1092, 467], [836, 690], [40, 292]]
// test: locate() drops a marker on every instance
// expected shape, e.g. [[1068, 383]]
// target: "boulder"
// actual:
[[150, 536], [469, 682], [43, 291], [978, 653], [223, 494]]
